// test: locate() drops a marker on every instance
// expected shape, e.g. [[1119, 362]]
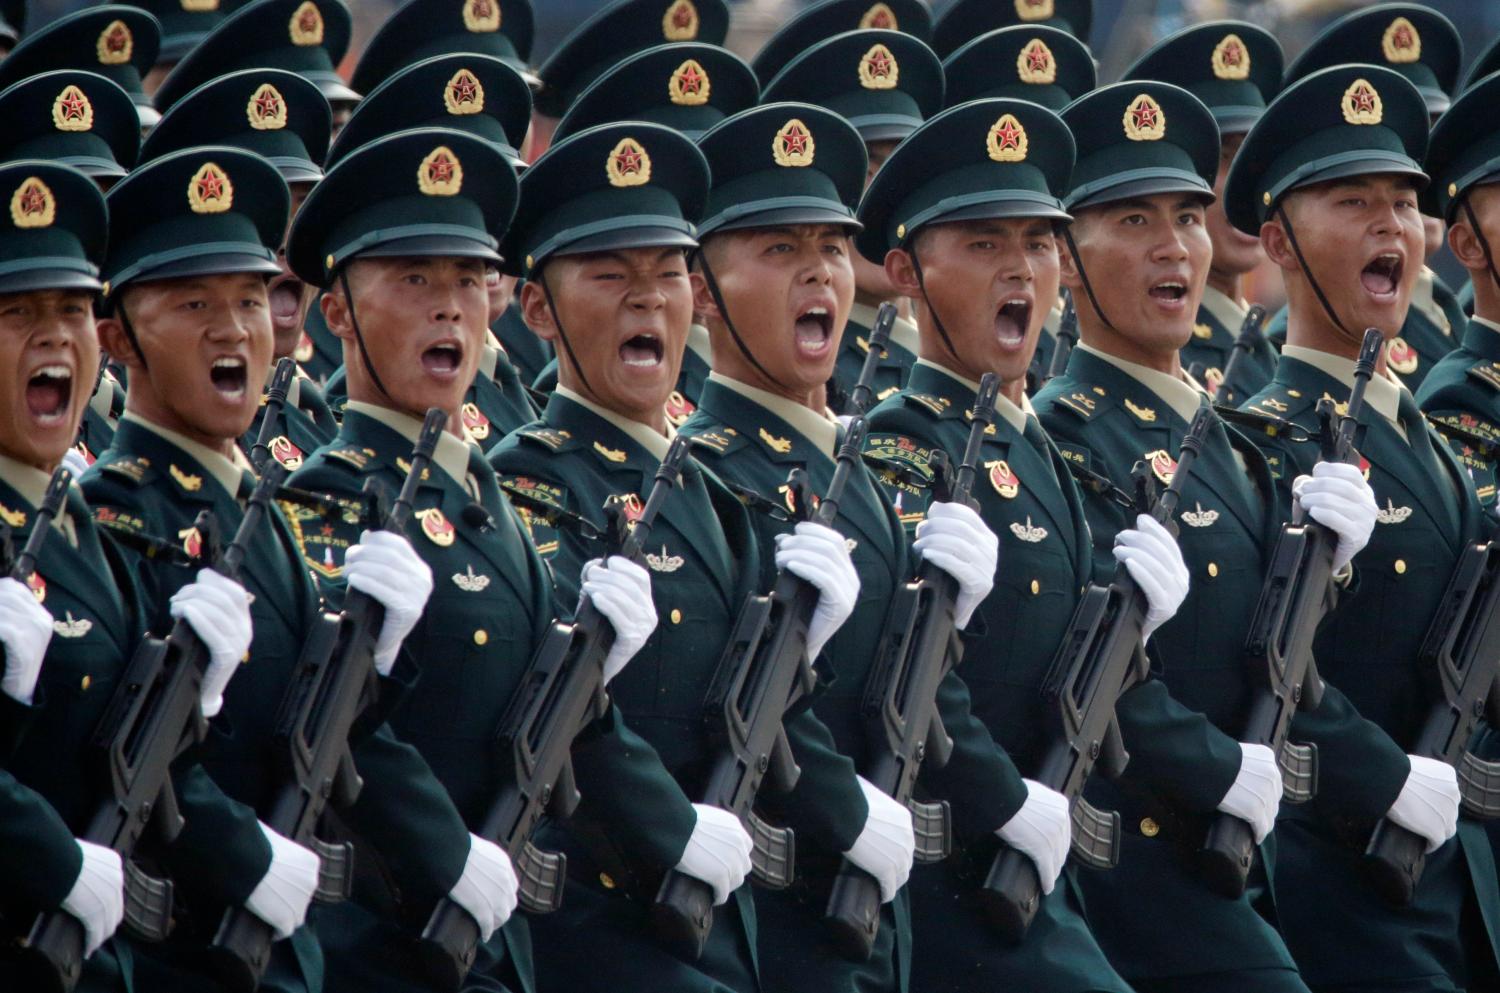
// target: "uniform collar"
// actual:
[[1015, 416], [1421, 294], [699, 344], [1383, 394], [451, 455], [27, 480], [1228, 312], [1487, 325], [489, 358], [227, 472], [656, 444], [903, 332], [820, 429], [1176, 393]]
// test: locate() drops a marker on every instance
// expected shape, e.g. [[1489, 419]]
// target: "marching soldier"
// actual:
[[183, 25], [1137, 260], [966, 19], [821, 20], [114, 40], [605, 222], [984, 229], [1234, 68], [1329, 179], [886, 84]]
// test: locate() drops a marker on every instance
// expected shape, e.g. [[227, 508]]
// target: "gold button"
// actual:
[[606, 880], [1265, 198], [1099, 390], [1149, 827], [1036, 587], [1400, 567], [1294, 393], [481, 637], [86, 681], [1213, 569], [676, 616], [1453, 189], [900, 232]]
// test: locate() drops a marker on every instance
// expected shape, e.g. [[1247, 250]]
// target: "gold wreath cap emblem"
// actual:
[[464, 94], [793, 147], [482, 16], [306, 26], [689, 85], [33, 205], [72, 110], [1361, 103], [440, 173], [115, 45], [881, 17], [1231, 58], [1036, 64], [878, 69], [680, 22], [628, 164], [1007, 141], [199, 6], [266, 109], [1144, 119], [1034, 10], [210, 191], [1402, 42]]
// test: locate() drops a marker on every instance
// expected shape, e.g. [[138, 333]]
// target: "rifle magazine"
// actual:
[[1479, 785], [1096, 835], [148, 905], [773, 859], [1299, 772], [933, 825], [335, 870], [542, 875]]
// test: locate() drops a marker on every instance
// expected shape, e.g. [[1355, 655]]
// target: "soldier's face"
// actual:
[[47, 340], [789, 291], [207, 343], [626, 315], [1235, 253], [1364, 242], [423, 322], [990, 284], [1147, 260]]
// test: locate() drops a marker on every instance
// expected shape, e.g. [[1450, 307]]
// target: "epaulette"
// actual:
[[353, 455], [555, 439], [1487, 373], [1085, 402], [133, 469], [930, 403], [1279, 403], [722, 440]]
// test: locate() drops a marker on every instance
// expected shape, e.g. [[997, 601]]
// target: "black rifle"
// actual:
[[335, 681], [562, 694], [918, 649], [270, 421], [1067, 337], [763, 673], [1244, 344], [1297, 594], [1100, 658], [153, 717]]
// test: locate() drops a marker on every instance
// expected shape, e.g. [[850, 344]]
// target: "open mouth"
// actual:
[[814, 328], [644, 351], [1012, 321], [49, 392], [228, 375], [1168, 291], [285, 300], [442, 359], [1382, 275]]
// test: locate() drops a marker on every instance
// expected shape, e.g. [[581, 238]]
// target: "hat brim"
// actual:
[[430, 246], [1236, 120], [1143, 186], [333, 88], [28, 280], [1000, 209], [212, 264], [632, 237], [884, 128], [772, 217], [94, 168], [149, 116], [1375, 163]]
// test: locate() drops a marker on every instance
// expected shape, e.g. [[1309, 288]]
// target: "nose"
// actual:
[[646, 294]]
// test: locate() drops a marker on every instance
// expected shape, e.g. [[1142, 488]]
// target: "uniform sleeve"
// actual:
[[39, 859], [221, 853], [981, 783]]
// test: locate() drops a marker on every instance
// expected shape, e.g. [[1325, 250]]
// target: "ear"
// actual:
[[1067, 265], [535, 312], [114, 340], [335, 307], [704, 304], [902, 273], [1278, 247], [1465, 245]]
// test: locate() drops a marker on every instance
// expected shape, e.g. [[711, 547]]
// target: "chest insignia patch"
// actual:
[[436, 527], [665, 562], [72, 627], [470, 581], [1028, 532], [1392, 514], [1005, 481], [1199, 518], [1162, 465]]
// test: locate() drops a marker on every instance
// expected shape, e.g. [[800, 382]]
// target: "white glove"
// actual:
[[219, 611], [1255, 796], [283, 893], [1337, 497], [97, 898], [954, 539], [819, 555], [718, 851], [25, 631], [384, 567], [621, 591], [887, 844], [1428, 802], [1042, 830], [1155, 563], [488, 887], [75, 463]]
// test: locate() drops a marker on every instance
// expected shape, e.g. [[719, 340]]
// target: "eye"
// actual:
[[414, 279], [1188, 219], [780, 248], [250, 303], [14, 310], [468, 282], [195, 305], [1352, 202], [835, 249], [1134, 220], [982, 245]]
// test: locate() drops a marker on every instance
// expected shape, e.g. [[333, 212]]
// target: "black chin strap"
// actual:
[[130, 335], [541, 278], [1484, 243], [916, 265], [359, 337], [713, 290], [1083, 277], [1291, 237]]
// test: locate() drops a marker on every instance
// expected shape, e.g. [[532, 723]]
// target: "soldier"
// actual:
[[1234, 68], [821, 20], [1051, 68], [398, 235], [966, 19], [984, 227], [183, 25], [116, 41], [1462, 393], [1337, 209], [886, 84], [1137, 260], [778, 286], [71, 629], [605, 221], [1422, 45], [283, 117]]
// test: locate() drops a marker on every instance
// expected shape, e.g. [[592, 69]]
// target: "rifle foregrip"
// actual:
[[52, 960], [1394, 861], [1227, 854], [450, 941], [683, 914], [241, 950], [1011, 894], [853, 914]]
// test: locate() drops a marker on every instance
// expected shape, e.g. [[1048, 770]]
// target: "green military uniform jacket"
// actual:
[[1463, 393], [1339, 929], [44, 802], [491, 603], [1178, 726], [1212, 344], [1027, 496], [307, 424], [100, 418], [1046, 345], [690, 378], [528, 353], [638, 779], [890, 372]]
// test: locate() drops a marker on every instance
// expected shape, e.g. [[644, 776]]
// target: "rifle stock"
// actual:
[[1244, 344], [1067, 337], [281, 384]]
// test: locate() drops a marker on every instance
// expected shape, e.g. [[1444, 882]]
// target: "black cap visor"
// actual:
[[48, 277], [453, 246], [1139, 183], [779, 213]]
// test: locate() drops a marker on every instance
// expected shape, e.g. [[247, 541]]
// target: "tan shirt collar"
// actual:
[[699, 344], [1383, 394], [820, 429], [1015, 416], [226, 471], [31, 483], [656, 444], [1230, 313], [903, 332], [1181, 395], [451, 454]]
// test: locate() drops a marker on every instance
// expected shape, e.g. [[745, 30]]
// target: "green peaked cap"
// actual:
[[820, 21], [686, 86], [117, 41], [425, 29], [967, 19], [53, 235], [1408, 38], [1029, 62], [1234, 67], [74, 117], [1140, 138]]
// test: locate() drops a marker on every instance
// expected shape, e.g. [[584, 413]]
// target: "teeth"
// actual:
[[1169, 286], [54, 371], [816, 311], [229, 363]]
